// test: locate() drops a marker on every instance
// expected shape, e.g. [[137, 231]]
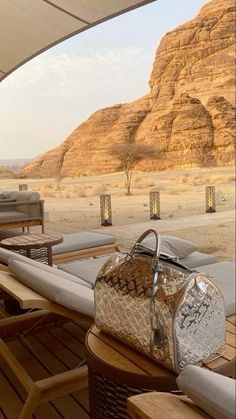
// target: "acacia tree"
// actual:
[[129, 154]]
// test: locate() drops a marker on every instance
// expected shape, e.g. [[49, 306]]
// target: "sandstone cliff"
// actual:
[[6, 173], [188, 115]]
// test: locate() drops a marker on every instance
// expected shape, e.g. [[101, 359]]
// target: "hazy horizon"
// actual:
[[43, 101]]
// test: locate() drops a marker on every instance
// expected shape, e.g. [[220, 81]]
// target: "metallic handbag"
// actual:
[[150, 301]]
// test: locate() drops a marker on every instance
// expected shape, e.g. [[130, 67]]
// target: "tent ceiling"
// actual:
[[28, 27]]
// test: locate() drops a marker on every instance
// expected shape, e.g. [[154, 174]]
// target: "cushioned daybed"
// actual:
[[36, 285]]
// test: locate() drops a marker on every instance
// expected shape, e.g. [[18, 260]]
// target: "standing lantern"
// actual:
[[23, 187], [210, 199], [105, 205], [154, 203]]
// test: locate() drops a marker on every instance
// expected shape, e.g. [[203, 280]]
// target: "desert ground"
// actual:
[[74, 205]]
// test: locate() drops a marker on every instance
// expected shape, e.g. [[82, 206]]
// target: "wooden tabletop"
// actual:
[[109, 354], [29, 241]]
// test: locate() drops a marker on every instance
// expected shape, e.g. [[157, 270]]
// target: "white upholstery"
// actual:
[[172, 245], [58, 289], [27, 196], [196, 259], [214, 393], [223, 276], [9, 193], [82, 240], [6, 256], [11, 216], [85, 269]]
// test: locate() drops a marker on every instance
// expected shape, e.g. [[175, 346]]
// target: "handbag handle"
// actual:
[[157, 246], [157, 337]]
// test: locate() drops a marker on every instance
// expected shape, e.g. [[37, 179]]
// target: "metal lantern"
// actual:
[[23, 187], [210, 199], [105, 205], [154, 203]]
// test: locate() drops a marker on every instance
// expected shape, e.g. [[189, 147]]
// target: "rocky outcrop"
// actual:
[[6, 173], [188, 115]]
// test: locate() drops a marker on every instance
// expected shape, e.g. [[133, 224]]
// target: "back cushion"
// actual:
[[31, 210], [9, 193]]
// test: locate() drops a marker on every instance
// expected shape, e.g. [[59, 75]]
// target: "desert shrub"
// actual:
[[149, 182], [222, 197], [209, 249], [174, 192], [79, 191], [100, 188], [46, 190], [137, 180]]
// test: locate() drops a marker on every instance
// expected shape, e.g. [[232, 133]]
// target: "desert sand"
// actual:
[[77, 205]]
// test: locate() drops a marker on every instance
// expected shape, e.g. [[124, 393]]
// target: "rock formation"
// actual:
[[6, 173], [188, 115]]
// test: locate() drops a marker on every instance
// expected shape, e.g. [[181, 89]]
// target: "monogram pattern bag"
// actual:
[[158, 306]]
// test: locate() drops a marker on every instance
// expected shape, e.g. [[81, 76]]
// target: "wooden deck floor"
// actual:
[[45, 351]]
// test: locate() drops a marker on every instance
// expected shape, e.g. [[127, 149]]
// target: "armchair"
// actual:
[[21, 209]]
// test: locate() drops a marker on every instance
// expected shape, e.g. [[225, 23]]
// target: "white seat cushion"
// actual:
[[6, 256], [85, 269], [11, 216], [196, 259], [58, 289], [172, 245], [223, 276], [82, 240]]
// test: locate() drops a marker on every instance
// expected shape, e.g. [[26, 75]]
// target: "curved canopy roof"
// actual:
[[29, 27]]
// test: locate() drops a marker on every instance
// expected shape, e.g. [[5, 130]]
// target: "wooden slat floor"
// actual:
[[48, 350]]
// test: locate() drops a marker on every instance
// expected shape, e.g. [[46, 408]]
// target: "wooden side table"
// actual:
[[34, 246], [117, 372]]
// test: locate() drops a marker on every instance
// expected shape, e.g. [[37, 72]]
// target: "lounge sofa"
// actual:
[[71, 284], [21, 209]]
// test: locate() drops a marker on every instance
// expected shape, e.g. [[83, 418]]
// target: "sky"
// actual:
[[43, 101]]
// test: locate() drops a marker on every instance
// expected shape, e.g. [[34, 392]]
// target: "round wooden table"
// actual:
[[34, 246], [117, 372]]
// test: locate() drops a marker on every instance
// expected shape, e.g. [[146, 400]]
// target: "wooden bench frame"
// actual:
[[51, 387]]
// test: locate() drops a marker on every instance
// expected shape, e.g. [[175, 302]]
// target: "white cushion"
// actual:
[[58, 289], [172, 245], [85, 269], [223, 276], [6, 256], [213, 392], [9, 193], [27, 196], [11, 216], [82, 240], [196, 259]]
